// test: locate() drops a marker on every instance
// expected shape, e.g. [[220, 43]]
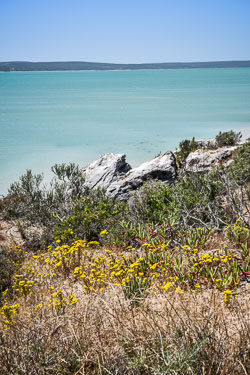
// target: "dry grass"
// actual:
[[103, 334], [193, 331]]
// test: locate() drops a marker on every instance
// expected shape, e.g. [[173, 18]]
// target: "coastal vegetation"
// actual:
[[9, 66], [154, 285], [185, 147], [227, 138]]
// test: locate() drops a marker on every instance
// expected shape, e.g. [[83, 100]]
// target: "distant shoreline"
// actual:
[[26, 66], [112, 70]]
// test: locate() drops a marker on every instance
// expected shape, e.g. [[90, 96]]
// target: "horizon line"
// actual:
[[116, 63]]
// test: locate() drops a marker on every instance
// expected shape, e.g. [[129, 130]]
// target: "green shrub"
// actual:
[[153, 203], [185, 147], [10, 261], [191, 201], [240, 167], [91, 215], [34, 204], [229, 138], [30, 199]]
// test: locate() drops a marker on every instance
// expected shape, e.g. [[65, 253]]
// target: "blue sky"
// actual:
[[124, 31]]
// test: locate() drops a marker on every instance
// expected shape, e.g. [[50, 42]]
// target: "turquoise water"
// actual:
[[54, 117]]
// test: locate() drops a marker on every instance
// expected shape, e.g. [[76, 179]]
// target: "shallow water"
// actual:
[[55, 117]]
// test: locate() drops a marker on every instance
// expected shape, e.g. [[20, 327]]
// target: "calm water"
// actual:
[[55, 117]]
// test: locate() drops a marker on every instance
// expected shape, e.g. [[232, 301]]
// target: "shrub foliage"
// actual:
[[185, 147], [229, 138]]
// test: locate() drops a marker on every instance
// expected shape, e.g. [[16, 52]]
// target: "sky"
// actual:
[[124, 31]]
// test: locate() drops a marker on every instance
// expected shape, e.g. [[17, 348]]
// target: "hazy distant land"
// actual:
[[81, 65]]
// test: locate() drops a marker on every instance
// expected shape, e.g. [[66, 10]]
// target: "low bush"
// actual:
[[6, 271], [229, 138], [10, 262], [239, 169], [185, 147], [35, 204], [192, 201], [93, 213]]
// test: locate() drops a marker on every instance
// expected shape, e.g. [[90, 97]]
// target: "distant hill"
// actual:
[[80, 65]]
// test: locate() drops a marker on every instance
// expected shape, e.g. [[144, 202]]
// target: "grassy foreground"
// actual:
[[85, 309], [157, 285]]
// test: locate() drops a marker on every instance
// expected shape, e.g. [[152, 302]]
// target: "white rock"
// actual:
[[203, 161], [102, 172], [162, 168]]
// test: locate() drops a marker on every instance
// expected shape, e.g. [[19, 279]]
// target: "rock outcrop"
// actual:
[[113, 173], [162, 168], [104, 171], [202, 161]]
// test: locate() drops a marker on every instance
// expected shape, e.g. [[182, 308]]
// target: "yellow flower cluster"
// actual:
[[8, 311], [58, 300], [22, 285], [228, 294], [153, 266], [73, 299], [237, 233], [157, 266], [39, 306]]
